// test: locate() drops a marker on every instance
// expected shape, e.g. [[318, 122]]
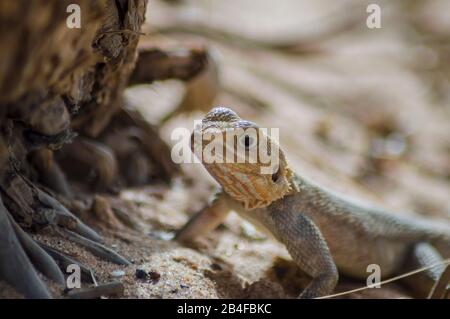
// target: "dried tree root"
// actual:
[[95, 248], [129, 153], [53, 142], [63, 215], [109, 289], [63, 261], [87, 72], [96, 157], [121, 211], [50, 174], [15, 266], [196, 67], [154, 64], [19, 254], [29, 202], [50, 118], [133, 125], [104, 213], [114, 220], [34, 207], [40, 259]]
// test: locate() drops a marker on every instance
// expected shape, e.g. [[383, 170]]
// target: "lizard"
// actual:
[[325, 233]]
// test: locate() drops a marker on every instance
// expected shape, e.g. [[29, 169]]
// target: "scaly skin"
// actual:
[[325, 233]]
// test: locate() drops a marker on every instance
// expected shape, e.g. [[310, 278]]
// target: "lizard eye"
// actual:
[[247, 141]]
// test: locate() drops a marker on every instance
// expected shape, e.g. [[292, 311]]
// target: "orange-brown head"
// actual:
[[243, 158]]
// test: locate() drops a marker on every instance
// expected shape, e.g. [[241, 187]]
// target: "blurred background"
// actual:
[[364, 111]]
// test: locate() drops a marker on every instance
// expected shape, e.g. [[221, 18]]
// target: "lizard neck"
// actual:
[[293, 181]]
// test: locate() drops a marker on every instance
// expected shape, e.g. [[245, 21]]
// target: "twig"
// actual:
[[114, 288], [439, 290], [444, 262]]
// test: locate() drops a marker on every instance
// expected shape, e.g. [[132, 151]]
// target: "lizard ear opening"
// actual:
[[276, 175]]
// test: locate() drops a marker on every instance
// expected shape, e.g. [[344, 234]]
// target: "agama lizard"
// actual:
[[324, 232]]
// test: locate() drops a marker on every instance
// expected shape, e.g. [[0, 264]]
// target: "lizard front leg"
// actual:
[[205, 220], [308, 249]]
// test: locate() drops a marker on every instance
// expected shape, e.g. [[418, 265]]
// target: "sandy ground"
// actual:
[[362, 112], [235, 261]]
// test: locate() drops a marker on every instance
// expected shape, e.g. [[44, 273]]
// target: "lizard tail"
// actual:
[[415, 229], [437, 234], [442, 244]]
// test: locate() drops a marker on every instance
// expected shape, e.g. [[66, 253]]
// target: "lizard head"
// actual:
[[242, 158]]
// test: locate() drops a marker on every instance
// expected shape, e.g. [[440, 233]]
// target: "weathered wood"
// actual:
[[155, 64], [109, 289], [15, 266], [39, 52], [95, 248], [55, 80], [40, 259]]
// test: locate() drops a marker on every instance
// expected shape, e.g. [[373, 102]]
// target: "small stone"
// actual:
[[118, 273], [154, 276], [162, 235], [141, 274]]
